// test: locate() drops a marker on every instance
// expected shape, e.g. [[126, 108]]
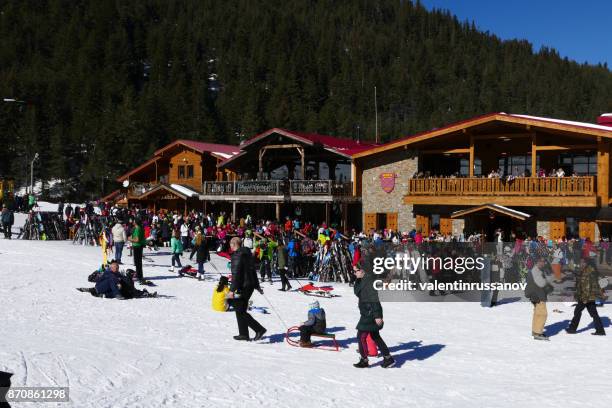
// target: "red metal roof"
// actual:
[[340, 144]]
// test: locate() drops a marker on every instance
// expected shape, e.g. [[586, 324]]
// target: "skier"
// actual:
[[200, 249], [587, 292], [109, 285], [371, 320], [537, 290], [119, 238], [138, 241], [244, 282], [281, 259], [316, 323], [177, 250], [8, 219]]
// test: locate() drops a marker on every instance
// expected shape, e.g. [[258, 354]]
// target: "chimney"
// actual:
[[605, 119]]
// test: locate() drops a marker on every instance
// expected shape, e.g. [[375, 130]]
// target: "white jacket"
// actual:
[[119, 233]]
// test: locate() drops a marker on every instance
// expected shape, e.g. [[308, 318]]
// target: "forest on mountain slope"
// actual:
[[100, 84]]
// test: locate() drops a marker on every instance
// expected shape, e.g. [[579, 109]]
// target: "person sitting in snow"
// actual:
[[219, 300], [316, 323], [109, 285], [114, 284]]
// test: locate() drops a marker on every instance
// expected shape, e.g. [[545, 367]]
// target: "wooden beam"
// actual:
[[462, 126], [534, 154], [603, 173], [502, 136], [568, 147], [447, 151], [354, 178], [471, 151]]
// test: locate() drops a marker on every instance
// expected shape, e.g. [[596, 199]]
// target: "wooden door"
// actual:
[[422, 224], [369, 223], [446, 226], [557, 229], [392, 221], [586, 229]]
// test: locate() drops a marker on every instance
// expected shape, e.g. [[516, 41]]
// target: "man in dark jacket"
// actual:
[[371, 319], [109, 285], [8, 219], [244, 282], [587, 292], [200, 249], [538, 287]]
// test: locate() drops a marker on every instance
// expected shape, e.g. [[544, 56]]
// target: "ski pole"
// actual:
[[275, 311]]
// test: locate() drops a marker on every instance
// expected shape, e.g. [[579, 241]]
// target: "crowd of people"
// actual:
[[294, 248]]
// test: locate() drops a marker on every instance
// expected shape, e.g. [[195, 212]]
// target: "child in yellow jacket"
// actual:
[[219, 302]]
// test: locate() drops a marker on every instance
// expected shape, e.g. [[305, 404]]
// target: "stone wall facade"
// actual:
[[375, 200]]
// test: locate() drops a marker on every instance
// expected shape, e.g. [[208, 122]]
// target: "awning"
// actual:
[[174, 189], [604, 215], [492, 207]]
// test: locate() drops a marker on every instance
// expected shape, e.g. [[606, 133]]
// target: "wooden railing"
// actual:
[[320, 187], [135, 190], [278, 187], [248, 187], [535, 186]]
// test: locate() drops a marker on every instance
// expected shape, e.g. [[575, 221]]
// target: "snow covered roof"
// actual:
[[565, 122], [491, 206], [186, 191]]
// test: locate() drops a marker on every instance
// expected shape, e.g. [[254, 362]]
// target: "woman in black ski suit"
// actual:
[[371, 319]]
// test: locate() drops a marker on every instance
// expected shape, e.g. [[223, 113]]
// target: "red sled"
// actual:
[[326, 336], [320, 291]]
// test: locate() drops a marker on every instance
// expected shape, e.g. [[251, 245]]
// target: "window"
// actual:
[[435, 222], [583, 164], [571, 228], [190, 171], [181, 172], [517, 165], [464, 167]]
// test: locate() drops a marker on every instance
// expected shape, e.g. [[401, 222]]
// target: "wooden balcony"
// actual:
[[135, 190], [522, 191]]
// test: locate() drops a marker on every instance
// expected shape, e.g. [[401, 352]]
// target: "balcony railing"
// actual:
[[137, 189], [250, 187], [320, 187], [528, 186], [278, 187]]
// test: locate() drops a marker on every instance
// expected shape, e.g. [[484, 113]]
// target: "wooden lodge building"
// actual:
[[443, 178], [282, 173], [173, 178], [275, 173], [484, 173]]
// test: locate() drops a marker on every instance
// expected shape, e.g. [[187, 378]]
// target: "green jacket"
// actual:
[[369, 305], [176, 245], [587, 285], [138, 232], [269, 252]]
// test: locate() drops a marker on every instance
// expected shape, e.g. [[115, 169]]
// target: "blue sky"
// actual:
[[579, 30]]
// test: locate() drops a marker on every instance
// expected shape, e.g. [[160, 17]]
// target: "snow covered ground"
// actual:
[[176, 351]]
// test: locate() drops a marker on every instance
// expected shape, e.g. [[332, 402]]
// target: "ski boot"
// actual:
[[363, 363]]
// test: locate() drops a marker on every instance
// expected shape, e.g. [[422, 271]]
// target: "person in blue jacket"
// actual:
[[109, 285]]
